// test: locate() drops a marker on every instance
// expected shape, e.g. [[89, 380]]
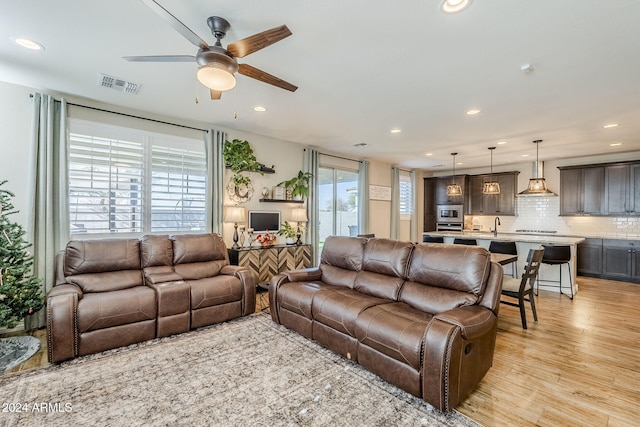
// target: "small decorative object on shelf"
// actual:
[[250, 235], [241, 228], [298, 186], [265, 193], [266, 239], [279, 193]]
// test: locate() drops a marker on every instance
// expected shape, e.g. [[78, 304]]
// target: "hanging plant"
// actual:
[[238, 156], [298, 185]]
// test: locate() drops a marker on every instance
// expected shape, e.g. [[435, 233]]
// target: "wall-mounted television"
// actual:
[[262, 221]]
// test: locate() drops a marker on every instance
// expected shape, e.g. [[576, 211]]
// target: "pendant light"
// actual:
[[454, 189], [491, 187], [537, 186]]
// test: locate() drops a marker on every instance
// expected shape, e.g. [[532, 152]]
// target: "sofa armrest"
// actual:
[[474, 321], [304, 275], [248, 280], [62, 328], [64, 289], [458, 351]]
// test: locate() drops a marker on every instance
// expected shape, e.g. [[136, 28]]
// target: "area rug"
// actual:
[[15, 350], [249, 371]]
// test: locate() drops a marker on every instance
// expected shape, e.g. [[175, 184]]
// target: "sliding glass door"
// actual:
[[337, 202]]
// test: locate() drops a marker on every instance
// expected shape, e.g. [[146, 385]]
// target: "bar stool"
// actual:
[[432, 239], [502, 247], [461, 241], [557, 255]]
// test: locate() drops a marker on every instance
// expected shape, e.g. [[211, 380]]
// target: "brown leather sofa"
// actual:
[[422, 317], [115, 292]]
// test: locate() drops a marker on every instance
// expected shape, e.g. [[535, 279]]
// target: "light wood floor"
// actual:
[[578, 366]]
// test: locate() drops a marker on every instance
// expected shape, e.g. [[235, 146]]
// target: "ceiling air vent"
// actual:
[[118, 84]]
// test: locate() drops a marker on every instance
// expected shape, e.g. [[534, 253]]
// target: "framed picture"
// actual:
[[379, 192]]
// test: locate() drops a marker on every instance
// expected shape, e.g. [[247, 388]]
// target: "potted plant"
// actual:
[[288, 231], [298, 185], [238, 156]]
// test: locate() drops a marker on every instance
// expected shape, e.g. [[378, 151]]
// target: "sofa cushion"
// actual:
[[343, 252], [98, 256], [108, 309], [384, 267], [190, 248], [211, 291], [394, 329], [340, 307], [199, 270], [107, 282], [156, 250], [297, 297], [442, 277]]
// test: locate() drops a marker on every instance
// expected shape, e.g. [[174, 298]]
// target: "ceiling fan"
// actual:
[[217, 64]]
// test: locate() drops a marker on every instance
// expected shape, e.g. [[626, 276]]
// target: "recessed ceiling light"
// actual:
[[259, 108], [453, 6], [610, 125], [615, 144], [502, 142], [395, 130], [360, 144], [524, 155], [429, 154], [472, 112], [459, 163], [26, 43]]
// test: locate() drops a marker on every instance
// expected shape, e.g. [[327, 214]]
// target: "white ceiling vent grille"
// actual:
[[120, 85]]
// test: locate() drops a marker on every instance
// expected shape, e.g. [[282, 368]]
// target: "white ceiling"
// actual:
[[364, 67]]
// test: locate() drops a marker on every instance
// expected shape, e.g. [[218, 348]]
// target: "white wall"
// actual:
[[15, 125]]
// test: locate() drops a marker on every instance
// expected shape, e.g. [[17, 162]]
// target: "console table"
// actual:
[[267, 261]]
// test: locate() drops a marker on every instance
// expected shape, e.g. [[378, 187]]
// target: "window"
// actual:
[[125, 180], [406, 196]]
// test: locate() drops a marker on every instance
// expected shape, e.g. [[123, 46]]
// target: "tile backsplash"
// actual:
[[542, 213]]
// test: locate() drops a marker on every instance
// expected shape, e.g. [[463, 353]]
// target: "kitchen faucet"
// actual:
[[496, 223]]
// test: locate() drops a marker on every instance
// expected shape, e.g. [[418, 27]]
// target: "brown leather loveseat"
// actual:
[[115, 292], [422, 317]]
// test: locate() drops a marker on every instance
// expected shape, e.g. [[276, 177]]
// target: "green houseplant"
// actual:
[[298, 185], [238, 156], [287, 230]]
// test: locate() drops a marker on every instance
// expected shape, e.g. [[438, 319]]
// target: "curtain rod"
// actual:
[[136, 117], [339, 157], [132, 116]]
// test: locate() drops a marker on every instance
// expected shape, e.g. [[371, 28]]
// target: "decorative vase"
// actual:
[[290, 241]]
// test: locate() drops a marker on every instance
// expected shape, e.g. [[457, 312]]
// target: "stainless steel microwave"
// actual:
[[450, 213]]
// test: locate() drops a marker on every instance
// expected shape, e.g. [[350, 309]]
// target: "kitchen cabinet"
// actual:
[[621, 259], [429, 204], [589, 260], [582, 190], [441, 190], [492, 204], [622, 189]]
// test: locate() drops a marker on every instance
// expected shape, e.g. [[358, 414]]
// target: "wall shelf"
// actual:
[[281, 201]]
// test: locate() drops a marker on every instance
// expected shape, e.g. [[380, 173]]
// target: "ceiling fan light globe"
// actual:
[[453, 6], [216, 78]]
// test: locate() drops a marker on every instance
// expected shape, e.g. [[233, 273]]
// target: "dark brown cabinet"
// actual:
[[621, 259], [492, 204], [441, 190], [590, 257], [582, 190], [622, 190]]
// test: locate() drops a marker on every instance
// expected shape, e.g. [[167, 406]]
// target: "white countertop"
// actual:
[[512, 237]]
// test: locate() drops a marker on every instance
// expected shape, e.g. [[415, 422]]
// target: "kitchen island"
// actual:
[[524, 242]]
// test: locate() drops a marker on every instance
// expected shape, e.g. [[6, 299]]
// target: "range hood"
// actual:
[[537, 186]]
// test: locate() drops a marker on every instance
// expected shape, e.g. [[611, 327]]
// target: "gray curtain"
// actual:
[[311, 165], [414, 213], [363, 197], [214, 144], [48, 226], [395, 203]]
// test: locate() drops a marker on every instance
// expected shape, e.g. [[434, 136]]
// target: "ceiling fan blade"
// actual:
[[161, 58], [254, 73], [176, 24], [244, 47], [215, 94]]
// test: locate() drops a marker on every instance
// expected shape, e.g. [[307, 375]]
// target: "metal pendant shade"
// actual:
[[491, 187], [537, 186], [454, 189]]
